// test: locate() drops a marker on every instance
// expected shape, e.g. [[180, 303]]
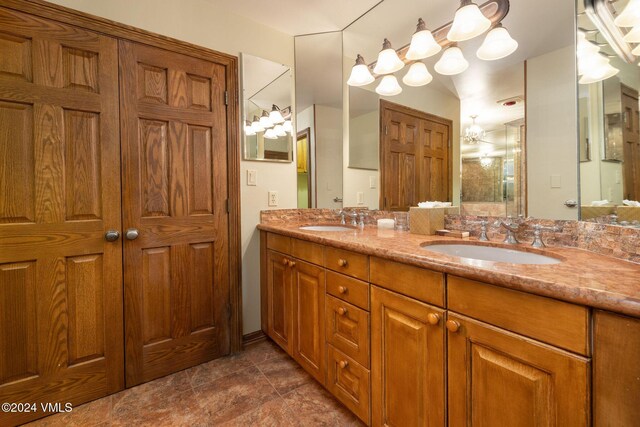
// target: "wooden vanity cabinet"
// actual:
[[279, 298]]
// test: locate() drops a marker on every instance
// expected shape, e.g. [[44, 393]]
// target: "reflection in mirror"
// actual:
[[608, 104], [267, 116], [363, 128]]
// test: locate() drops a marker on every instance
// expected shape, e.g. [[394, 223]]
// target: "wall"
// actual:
[[203, 23], [552, 149], [306, 119], [328, 156]]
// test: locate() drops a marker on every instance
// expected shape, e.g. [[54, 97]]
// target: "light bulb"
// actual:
[[270, 134], [452, 62], [275, 115], [248, 129], [360, 74], [497, 44], [287, 125], [388, 86], [633, 36], [423, 45], [418, 75], [388, 60], [468, 23], [630, 15], [255, 125], [279, 130], [265, 121]]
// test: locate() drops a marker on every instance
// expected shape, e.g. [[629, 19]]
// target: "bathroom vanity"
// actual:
[[405, 336]]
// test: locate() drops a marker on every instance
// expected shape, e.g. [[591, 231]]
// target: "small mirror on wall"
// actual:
[[267, 116]]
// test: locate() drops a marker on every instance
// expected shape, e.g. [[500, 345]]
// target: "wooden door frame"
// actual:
[[122, 31], [387, 105], [306, 133]]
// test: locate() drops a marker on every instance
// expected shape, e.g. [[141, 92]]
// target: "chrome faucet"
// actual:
[[537, 235], [361, 217], [342, 213], [354, 218], [512, 229]]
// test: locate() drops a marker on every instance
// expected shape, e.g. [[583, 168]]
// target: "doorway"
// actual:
[[303, 160]]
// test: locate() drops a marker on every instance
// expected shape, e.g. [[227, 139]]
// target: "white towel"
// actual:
[[434, 204], [599, 202], [631, 203]]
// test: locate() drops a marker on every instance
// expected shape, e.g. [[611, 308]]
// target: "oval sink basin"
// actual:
[[492, 254], [326, 228]]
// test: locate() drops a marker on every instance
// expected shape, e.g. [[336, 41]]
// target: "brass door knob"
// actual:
[[342, 262], [292, 263], [342, 311], [433, 318], [285, 261], [343, 364], [452, 326], [342, 289]]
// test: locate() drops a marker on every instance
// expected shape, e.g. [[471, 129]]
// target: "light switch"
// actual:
[[556, 181], [252, 177], [373, 182], [273, 198], [360, 197]]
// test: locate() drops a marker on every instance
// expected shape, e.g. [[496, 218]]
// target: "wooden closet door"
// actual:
[[174, 154], [60, 280]]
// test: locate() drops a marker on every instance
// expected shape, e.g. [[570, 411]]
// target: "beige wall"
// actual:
[[201, 22]]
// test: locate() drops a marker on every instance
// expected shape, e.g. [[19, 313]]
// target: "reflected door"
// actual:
[[174, 150], [631, 137]]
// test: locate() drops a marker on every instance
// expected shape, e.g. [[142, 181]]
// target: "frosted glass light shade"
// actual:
[[595, 68], [418, 75], [585, 47], [279, 130], [633, 36], [468, 23], [248, 129], [265, 121], [255, 124], [423, 45], [636, 51], [388, 86], [497, 45], [360, 74], [388, 60], [275, 115], [452, 62], [287, 126], [630, 15], [607, 72], [270, 134]]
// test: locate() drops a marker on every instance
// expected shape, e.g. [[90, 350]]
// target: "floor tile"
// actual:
[[262, 351], [92, 414], [210, 371], [314, 406], [284, 373], [274, 413], [160, 389]]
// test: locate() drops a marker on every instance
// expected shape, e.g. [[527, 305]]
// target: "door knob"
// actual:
[[132, 234], [342, 311], [111, 235], [342, 262], [452, 326], [571, 203]]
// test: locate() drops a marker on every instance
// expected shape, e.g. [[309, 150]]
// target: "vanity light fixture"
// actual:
[[486, 162], [452, 62], [474, 133], [388, 86], [279, 130], [360, 73], [468, 23], [423, 45], [595, 69], [287, 126], [265, 121], [636, 51], [630, 15], [248, 128], [600, 14], [418, 75], [255, 125], [388, 60], [270, 134], [275, 115], [497, 44], [633, 36]]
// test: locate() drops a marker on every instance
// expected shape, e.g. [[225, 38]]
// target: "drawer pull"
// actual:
[[342, 311], [342, 262], [453, 326], [433, 318], [342, 289], [343, 364], [292, 263], [285, 261]]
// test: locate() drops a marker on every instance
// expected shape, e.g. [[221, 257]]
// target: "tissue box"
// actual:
[[428, 220], [627, 213]]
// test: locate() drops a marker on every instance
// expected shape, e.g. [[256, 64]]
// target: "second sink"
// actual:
[[490, 253]]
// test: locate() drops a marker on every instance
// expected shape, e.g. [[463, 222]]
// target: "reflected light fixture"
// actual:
[[418, 75], [630, 15], [497, 44], [287, 126], [468, 23], [596, 69], [452, 62], [388, 86], [270, 134], [265, 121], [248, 128], [636, 51], [388, 60], [474, 133], [279, 130], [360, 74], [255, 125], [275, 115], [633, 36], [486, 162], [600, 15], [423, 45]]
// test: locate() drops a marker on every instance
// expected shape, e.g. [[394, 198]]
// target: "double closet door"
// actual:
[[113, 225]]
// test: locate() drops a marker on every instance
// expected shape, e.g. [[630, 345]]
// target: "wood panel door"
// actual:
[[308, 314], [174, 151], [497, 378], [631, 138], [415, 157], [407, 361], [280, 300], [60, 280]]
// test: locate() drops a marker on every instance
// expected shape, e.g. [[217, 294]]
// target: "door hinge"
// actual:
[[228, 311], [226, 97], [386, 130], [226, 205]]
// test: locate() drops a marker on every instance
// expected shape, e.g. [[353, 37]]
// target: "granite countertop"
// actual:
[[582, 277]]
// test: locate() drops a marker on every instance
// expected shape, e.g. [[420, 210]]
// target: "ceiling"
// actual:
[[265, 82]]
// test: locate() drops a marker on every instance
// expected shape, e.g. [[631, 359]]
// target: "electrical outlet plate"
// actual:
[[373, 182], [273, 198], [360, 197], [252, 177]]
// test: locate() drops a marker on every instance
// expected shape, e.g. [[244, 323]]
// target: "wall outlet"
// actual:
[[360, 197], [252, 177], [373, 182], [273, 198]]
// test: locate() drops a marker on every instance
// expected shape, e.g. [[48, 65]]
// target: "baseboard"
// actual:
[[253, 338]]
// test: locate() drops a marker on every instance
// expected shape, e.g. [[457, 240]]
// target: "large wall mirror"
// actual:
[[609, 82], [266, 110]]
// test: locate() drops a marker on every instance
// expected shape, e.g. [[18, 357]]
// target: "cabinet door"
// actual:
[[279, 299], [499, 378], [407, 361], [308, 311]]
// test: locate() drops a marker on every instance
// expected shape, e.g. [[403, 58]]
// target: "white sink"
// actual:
[[326, 228], [491, 254]]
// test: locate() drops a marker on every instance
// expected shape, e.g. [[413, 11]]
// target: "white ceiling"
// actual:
[[266, 82]]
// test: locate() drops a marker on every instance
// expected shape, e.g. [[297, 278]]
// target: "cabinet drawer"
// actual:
[[348, 329], [415, 282], [279, 243], [351, 290], [555, 322], [307, 251], [347, 262], [349, 382]]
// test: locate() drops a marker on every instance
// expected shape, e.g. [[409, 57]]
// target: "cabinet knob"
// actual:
[[342, 289], [111, 235], [343, 364], [452, 326], [342, 311], [342, 262], [292, 263], [433, 318], [285, 261]]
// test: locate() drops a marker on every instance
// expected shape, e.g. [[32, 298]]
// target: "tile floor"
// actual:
[[262, 386]]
